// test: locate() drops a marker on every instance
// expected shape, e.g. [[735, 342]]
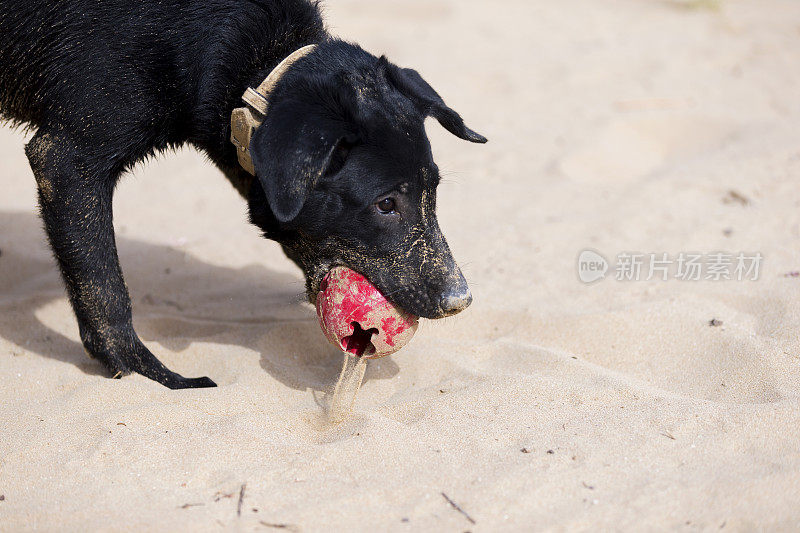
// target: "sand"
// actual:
[[550, 404]]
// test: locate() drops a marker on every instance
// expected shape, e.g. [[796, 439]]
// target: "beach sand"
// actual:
[[550, 404]]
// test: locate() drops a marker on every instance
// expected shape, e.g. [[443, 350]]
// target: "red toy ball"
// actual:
[[356, 317]]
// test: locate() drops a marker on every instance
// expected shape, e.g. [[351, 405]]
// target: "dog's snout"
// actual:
[[455, 301], [455, 295]]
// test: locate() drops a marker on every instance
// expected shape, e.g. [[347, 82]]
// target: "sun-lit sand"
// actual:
[[630, 126]]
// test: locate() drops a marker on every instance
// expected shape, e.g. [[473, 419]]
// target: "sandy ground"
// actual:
[[621, 126]]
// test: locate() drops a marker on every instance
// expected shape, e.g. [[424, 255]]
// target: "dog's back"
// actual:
[[62, 60], [23, 67], [145, 65], [54, 52]]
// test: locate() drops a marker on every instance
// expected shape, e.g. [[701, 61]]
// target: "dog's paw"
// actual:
[[190, 383]]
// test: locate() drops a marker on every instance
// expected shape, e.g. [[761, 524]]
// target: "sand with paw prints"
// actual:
[[633, 126]]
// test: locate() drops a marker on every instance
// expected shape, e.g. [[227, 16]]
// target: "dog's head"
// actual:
[[346, 177]]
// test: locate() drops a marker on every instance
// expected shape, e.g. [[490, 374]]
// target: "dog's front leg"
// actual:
[[76, 182]]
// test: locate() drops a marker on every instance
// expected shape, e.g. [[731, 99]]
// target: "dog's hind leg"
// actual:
[[76, 182]]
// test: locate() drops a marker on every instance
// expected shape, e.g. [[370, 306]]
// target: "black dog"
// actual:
[[344, 171]]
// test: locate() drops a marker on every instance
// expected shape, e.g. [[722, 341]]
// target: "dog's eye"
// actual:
[[386, 206]]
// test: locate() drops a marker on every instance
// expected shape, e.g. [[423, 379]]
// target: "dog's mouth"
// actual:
[[410, 301], [428, 294]]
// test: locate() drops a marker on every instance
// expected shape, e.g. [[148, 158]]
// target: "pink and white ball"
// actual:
[[357, 318]]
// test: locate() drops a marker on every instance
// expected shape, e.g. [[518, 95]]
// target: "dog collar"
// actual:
[[245, 120]]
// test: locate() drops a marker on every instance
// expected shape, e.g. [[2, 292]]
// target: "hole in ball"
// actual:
[[359, 342]]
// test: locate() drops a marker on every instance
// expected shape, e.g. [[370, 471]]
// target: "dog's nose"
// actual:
[[456, 301]]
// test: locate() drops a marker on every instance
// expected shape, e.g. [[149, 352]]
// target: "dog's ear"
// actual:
[[428, 102], [295, 147]]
